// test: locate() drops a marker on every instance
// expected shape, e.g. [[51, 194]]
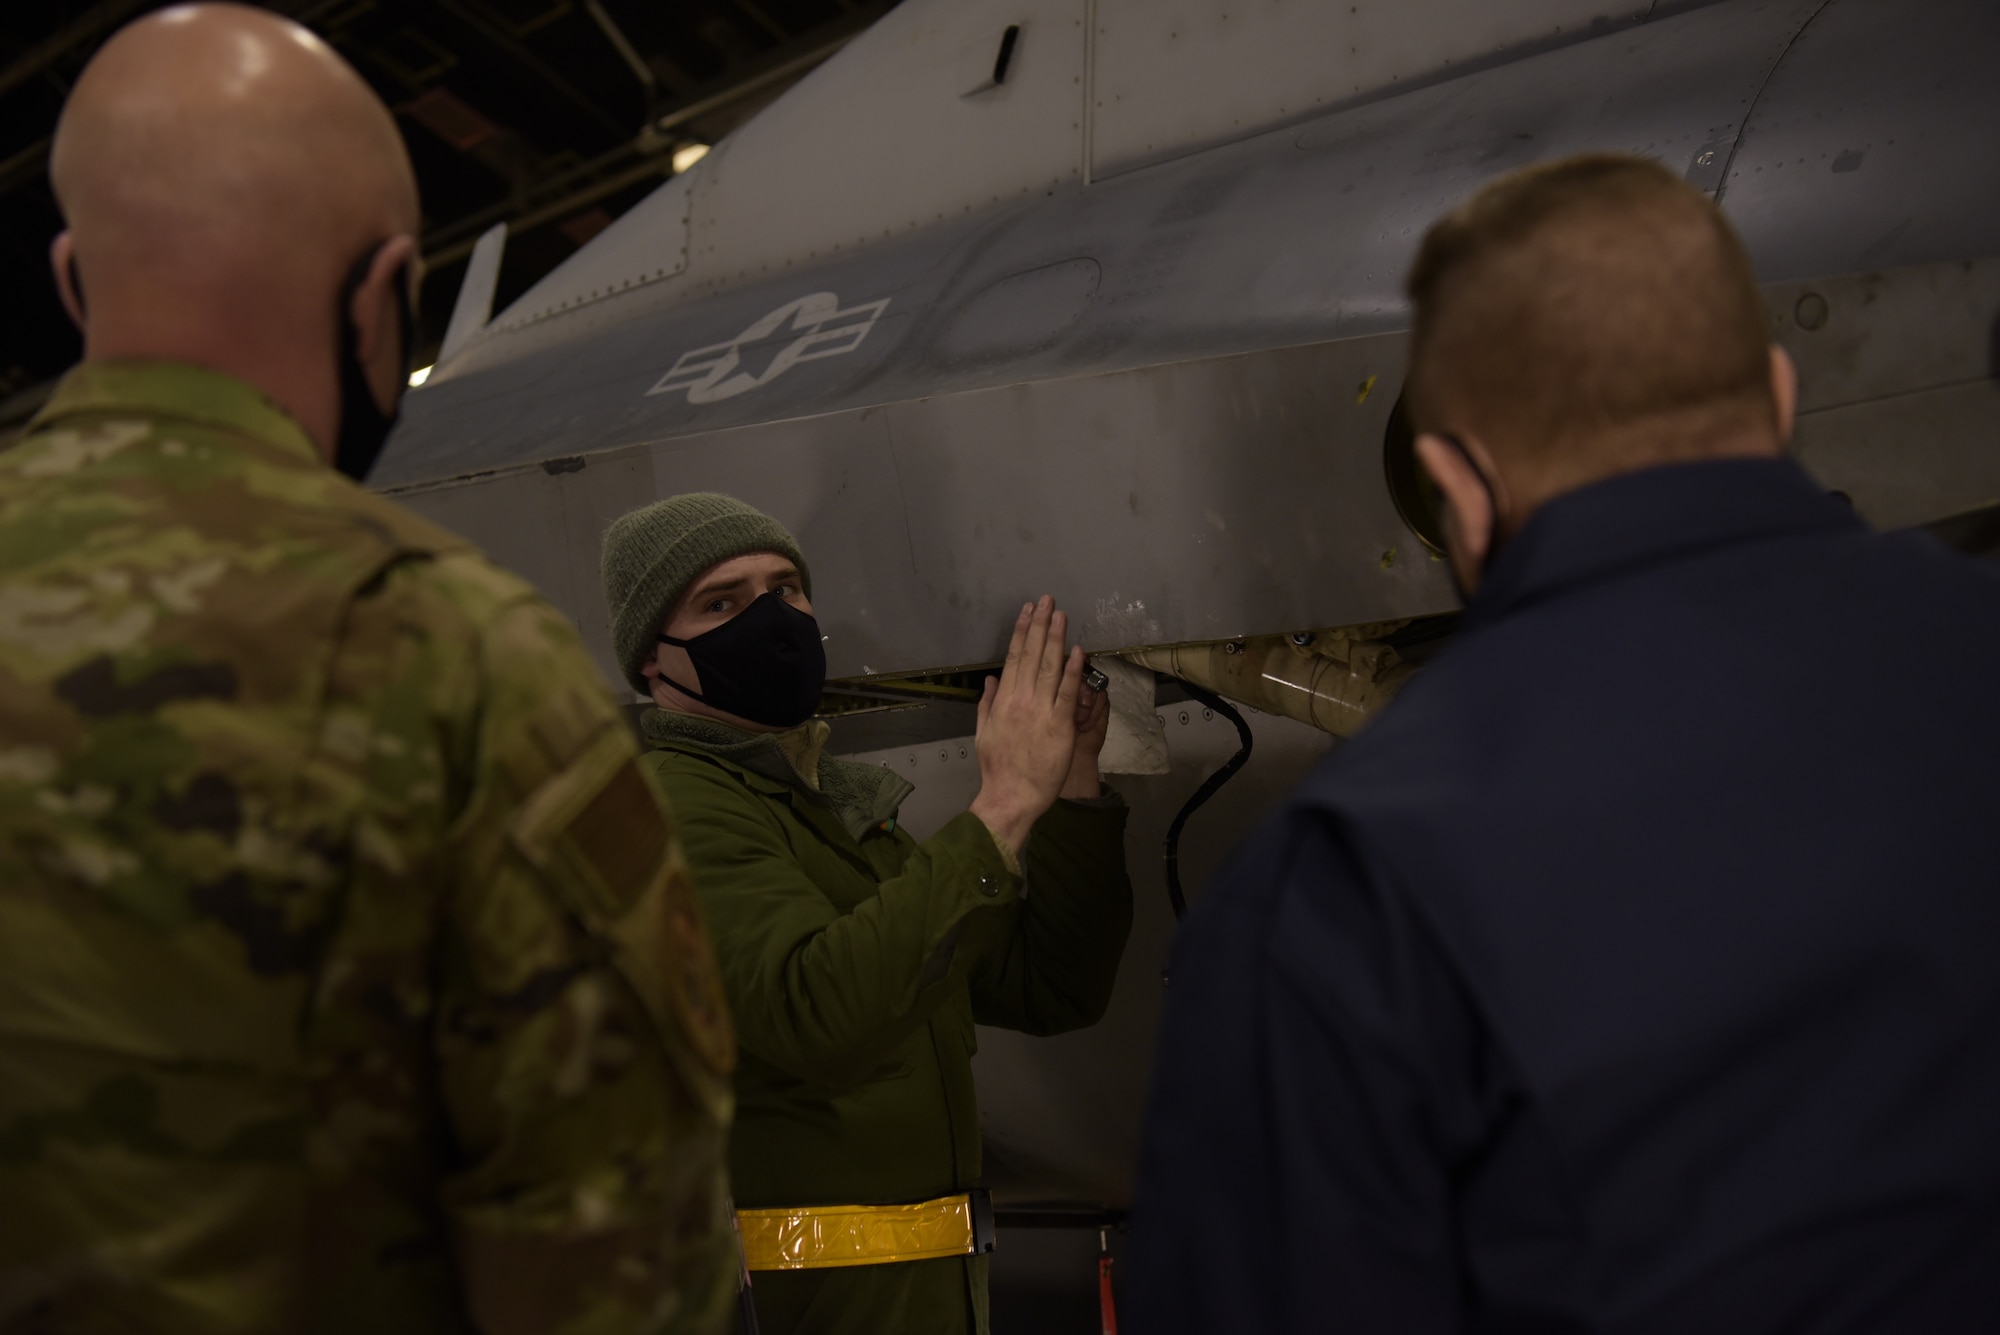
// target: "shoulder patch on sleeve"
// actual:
[[602, 836], [596, 824], [622, 834]]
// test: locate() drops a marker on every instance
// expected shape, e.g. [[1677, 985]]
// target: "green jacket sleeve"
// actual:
[[1048, 965], [822, 991], [579, 1044]]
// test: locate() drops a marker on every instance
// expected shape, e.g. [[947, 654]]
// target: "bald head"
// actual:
[[1586, 317], [222, 170], [223, 137]]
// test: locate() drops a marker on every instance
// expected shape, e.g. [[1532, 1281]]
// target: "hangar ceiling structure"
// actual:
[[553, 116]]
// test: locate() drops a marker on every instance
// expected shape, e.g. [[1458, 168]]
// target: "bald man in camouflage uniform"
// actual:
[[349, 974]]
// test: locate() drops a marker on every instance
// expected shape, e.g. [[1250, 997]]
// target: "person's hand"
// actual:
[[1027, 735], [1093, 722]]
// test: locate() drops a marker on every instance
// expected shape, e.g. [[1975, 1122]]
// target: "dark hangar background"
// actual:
[[553, 116]]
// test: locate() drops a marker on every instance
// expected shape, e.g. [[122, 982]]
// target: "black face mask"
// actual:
[[363, 425], [765, 664], [1493, 539]]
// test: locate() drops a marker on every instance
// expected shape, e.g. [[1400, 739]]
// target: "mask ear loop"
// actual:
[[682, 644], [1493, 538], [76, 288], [355, 456], [684, 690]]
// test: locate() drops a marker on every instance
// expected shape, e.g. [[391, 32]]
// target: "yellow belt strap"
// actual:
[[815, 1237]]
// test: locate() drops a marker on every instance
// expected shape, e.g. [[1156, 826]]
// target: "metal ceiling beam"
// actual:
[[25, 166], [736, 92], [612, 171], [475, 17], [87, 27], [559, 196], [762, 20], [567, 190], [562, 207], [623, 45], [783, 64]]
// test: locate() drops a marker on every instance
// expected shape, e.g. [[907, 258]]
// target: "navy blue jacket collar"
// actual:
[[1637, 519]]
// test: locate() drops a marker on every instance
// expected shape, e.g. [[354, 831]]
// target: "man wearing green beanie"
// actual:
[[856, 959]]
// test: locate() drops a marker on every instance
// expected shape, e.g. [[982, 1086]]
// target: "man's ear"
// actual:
[[62, 259], [376, 309], [1784, 391]]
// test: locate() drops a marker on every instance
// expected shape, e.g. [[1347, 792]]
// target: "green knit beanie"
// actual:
[[652, 554]]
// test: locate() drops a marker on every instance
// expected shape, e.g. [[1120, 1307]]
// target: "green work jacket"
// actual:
[[856, 961]]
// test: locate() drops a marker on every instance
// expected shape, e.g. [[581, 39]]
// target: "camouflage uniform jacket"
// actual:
[[349, 974]]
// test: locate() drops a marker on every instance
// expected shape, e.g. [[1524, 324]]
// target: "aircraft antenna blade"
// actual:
[[474, 306]]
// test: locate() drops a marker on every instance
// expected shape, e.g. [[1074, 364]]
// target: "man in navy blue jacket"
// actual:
[[1639, 970]]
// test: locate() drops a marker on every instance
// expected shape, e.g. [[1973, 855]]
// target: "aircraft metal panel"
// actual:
[[1258, 65], [1872, 145], [593, 494], [1303, 235], [1193, 501], [890, 136], [518, 521], [1913, 459], [1857, 337]]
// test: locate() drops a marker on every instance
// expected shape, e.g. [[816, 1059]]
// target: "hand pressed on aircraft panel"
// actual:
[[1027, 734]]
